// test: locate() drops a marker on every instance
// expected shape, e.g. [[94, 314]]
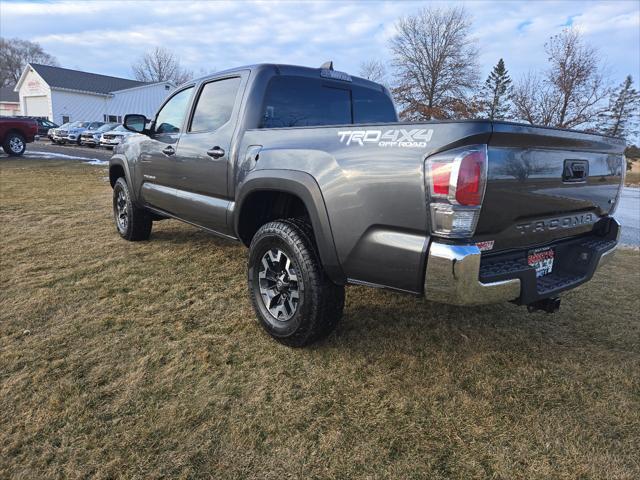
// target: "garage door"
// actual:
[[37, 106]]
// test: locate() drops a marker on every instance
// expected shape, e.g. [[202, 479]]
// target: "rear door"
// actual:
[[204, 154], [545, 184], [157, 153]]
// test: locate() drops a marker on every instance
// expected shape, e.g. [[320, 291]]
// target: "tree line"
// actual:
[[434, 74], [156, 65]]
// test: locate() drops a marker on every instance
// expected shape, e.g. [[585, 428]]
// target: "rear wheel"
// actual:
[[132, 222], [296, 303], [14, 144]]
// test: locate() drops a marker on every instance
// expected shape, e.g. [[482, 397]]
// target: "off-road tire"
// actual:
[[14, 145], [138, 221], [320, 303]]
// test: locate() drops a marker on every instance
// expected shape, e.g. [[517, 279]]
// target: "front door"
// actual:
[[203, 156], [157, 158]]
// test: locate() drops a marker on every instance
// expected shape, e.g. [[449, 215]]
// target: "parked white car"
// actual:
[[91, 138], [115, 137]]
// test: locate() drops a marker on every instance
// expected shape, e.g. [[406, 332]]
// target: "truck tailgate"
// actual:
[[544, 184]]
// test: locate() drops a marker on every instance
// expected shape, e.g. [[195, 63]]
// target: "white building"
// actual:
[[63, 95]]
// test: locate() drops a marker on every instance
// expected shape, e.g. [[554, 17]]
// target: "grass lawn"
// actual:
[[632, 179], [144, 360]]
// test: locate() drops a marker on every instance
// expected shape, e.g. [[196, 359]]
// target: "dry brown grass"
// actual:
[[143, 360], [632, 179]]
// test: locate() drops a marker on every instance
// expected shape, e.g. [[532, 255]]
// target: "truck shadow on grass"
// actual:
[[374, 317]]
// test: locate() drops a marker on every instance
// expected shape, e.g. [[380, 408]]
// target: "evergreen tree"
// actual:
[[621, 118], [495, 96]]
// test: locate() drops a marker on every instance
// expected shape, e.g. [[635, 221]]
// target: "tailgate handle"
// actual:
[[575, 171]]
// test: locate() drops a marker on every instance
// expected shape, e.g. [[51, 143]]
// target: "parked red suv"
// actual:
[[15, 133]]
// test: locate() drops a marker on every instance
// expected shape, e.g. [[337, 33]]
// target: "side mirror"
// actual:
[[135, 123]]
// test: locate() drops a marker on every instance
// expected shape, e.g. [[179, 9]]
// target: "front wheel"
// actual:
[[14, 144], [132, 222], [295, 301]]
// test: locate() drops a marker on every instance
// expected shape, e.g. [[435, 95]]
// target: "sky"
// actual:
[[106, 37]]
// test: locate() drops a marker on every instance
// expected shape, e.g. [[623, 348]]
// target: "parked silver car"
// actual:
[[91, 138], [59, 135], [79, 128]]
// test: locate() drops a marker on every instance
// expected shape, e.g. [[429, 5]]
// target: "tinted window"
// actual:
[[370, 106], [170, 118], [215, 105], [302, 102]]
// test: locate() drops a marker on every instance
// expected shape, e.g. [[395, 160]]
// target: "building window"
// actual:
[[119, 119], [167, 87], [112, 118], [65, 119]]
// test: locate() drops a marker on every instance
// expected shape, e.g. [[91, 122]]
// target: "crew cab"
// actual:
[[310, 169], [15, 133]]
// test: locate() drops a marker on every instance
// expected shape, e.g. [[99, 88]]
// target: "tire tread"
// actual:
[[325, 297]]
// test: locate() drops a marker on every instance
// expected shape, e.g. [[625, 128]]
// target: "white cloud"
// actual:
[[106, 37]]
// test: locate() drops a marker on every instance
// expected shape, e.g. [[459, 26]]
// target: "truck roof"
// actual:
[[284, 69]]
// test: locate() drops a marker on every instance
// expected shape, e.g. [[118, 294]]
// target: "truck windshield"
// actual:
[[302, 102]]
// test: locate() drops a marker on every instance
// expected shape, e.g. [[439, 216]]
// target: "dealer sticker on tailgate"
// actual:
[[542, 260]]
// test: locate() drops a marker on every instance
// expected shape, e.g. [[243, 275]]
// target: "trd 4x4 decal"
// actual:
[[415, 138]]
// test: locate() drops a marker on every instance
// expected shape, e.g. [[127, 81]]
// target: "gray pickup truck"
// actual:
[[311, 170]]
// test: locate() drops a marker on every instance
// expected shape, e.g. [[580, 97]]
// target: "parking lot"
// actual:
[[145, 360]]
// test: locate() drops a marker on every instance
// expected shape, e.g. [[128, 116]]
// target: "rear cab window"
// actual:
[[292, 101]]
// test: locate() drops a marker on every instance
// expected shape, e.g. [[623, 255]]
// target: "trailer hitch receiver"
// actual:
[[549, 305]]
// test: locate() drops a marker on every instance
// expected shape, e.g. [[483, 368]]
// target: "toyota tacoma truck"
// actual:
[[310, 169], [15, 133]]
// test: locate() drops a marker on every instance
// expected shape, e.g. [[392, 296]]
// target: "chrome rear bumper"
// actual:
[[452, 277], [453, 272]]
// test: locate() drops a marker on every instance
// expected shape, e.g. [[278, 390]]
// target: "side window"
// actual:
[[304, 102], [215, 105], [170, 118]]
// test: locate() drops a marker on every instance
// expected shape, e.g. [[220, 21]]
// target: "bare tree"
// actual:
[[436, 63], [570, 93], [621, 118], [374, 70], [16, 54], [535, 101], [160, 65]]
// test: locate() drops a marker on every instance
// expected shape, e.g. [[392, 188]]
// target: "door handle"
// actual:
[[215, 152], [168, 150]]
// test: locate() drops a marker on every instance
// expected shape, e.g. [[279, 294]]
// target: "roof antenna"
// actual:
[[327, 65]]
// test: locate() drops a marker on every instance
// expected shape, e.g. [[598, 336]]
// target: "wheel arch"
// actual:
[[12, 131], [119, 167], [297, 185]]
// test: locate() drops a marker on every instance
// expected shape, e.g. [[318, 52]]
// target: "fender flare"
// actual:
[[121, 161], [305, 187]]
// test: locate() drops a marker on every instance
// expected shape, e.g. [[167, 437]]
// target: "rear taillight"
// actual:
[[456, 182]]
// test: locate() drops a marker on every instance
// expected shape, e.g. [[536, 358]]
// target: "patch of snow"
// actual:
[[53, 155]]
